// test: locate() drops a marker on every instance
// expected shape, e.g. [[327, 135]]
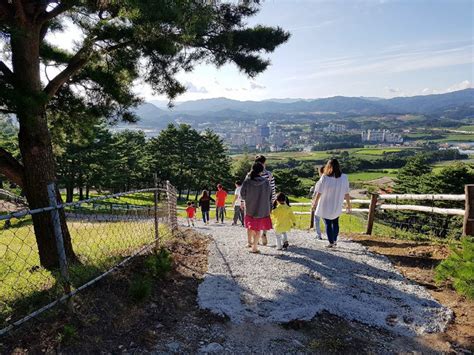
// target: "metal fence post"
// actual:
[[157, 232], [58, 234], [371, 216], [468, 225], [171, 196]]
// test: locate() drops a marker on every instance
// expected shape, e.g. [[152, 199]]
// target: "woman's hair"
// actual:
[[260, 159], [321, 170], [333, 168], [281, 197], [257, 169], [204, 194]]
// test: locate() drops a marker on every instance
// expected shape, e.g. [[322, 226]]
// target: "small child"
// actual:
[[283, 219], [191, 213]]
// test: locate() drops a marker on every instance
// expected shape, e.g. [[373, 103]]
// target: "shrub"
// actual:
[[458, 268], [159, 264], [68, 334], [140, 288]]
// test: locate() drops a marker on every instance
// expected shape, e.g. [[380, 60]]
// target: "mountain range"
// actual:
[[205, 110]]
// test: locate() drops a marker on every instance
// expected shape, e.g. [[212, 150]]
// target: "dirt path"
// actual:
[[280, 287]]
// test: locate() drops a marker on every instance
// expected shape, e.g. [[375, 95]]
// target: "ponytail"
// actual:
[[257, 169]]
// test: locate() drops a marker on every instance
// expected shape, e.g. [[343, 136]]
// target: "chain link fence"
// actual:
[[105, 232]]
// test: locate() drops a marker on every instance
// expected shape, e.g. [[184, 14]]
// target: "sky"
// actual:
[[374, 48]]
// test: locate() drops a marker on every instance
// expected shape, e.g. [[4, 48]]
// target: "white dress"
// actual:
[[332, 192]]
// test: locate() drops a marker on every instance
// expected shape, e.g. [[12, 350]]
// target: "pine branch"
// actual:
[[11, 168], [58, 10], [77, 62], [7, 73], [6, 111]]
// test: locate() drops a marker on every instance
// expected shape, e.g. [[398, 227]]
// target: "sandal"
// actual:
[[255, 252]]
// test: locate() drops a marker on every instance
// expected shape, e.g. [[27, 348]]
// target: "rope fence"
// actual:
[[104, 232]]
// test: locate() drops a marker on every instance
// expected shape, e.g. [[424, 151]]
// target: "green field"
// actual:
[[457, 137], [466, 128]]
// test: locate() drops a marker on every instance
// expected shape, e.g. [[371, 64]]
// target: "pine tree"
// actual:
[[117, 37]]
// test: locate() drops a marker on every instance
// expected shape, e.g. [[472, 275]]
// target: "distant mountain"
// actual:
[[454, 104], [338, 104], [432, 103]]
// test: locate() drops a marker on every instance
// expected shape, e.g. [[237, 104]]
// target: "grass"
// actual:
[[377, 151], [457, 137], [139, 199], [372, 175], [26, 286], [466, 128]]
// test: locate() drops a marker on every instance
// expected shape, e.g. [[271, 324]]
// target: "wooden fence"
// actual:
[[377, 203]]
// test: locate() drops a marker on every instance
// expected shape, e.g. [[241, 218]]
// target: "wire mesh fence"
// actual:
[[103, 232]]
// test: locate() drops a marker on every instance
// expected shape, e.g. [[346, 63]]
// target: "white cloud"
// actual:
[[191, 88], [396, 59], [466, 84], [254, 86]]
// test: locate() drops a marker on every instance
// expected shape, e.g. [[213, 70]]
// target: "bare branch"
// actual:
[[76, 63], [11, 168]]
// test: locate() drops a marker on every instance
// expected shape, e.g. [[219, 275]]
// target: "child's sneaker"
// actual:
[[319, 237], [285, 245]]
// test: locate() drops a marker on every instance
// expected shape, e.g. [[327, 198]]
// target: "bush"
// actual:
[[140, 288], [159, 264], [458, 268]]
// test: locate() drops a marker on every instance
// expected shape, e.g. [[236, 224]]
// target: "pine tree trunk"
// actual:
[[69, 192], [81, 193], [35, 143], [87, 192]]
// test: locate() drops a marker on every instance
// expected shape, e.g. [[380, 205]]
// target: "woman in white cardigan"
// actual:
[[330, 192]]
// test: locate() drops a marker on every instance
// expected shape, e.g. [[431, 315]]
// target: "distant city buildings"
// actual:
[[381, 136], [336, 128]]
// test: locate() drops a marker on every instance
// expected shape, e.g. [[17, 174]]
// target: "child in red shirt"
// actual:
[[221, 196], [191, 213]]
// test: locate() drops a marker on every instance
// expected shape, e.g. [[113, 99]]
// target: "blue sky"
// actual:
[[377, 48]]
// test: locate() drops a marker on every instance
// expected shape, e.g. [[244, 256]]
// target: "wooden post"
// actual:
[[468, 226], [371, 217]]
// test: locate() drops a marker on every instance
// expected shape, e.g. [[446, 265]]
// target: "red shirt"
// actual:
[[191, 211], [220, 198]]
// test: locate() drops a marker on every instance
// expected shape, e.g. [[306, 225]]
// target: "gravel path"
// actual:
[[281, 286]]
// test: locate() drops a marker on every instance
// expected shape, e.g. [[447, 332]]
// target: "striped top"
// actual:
[[268, 175]]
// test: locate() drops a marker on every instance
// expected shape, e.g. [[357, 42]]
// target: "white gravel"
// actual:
[[280, 286]]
